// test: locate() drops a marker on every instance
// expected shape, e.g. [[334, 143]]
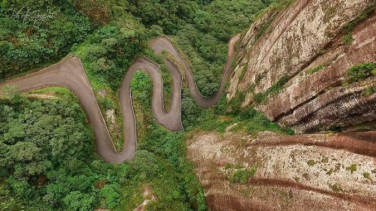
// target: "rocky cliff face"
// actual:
[[311, 67], [274, 172], [294, 65]]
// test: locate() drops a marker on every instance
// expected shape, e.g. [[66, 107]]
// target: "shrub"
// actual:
[[360, 72], [315, 69], [347, 39], [228, 166], [242, 176], [311, 162], [352, 168], [369, 91]]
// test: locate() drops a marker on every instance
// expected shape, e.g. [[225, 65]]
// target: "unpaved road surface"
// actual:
[[69, 73]]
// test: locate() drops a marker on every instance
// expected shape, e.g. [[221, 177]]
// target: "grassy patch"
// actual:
[[228, 166], [315, 69], [330, 172], [311, 162], [244, 70], [352, 168], [296, 179], [260, 97], [242, 176], [366, 13], [264, 27], [60, 92], [252, 122], [361, 72], [367, 175], [235, 103], [369, 91], [274, 10], [335, 188], [347, 39]]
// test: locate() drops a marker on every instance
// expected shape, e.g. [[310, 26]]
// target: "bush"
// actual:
[[111, 196], [242, 176], [360, 72]]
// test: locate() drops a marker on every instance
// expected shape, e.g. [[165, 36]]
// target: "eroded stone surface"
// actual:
[[304, 36], [293, 172]]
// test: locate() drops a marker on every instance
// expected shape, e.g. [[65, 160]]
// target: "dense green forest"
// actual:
[[47, 151], [48, 162]]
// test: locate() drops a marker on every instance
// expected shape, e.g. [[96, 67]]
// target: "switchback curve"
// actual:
[[69, 73]]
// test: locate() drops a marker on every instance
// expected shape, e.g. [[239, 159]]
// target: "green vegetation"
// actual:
[[335, 188], [272, 12], [330, 172], [42, 144], [242, 175], [334, 170], [347, 37], [108, 53], [369, 91], [47, 153], [48, 161], [264, 27], [260, 97], [352, 168], [10, 91], [204, 40], [28, 41], [366, 13], [367, 175], [244, 70], [311, 162], [248, 120], [239, 166], [361, 72], [296, 179], [315, 69], [228, 166]]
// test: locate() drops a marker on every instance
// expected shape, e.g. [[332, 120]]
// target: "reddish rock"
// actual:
[[302, 172], [304, 36]]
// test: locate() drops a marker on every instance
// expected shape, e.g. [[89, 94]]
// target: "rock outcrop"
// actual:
[[296, 70], [311, 67], [302, 172]]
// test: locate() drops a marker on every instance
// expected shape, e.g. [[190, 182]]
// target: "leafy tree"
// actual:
[[28, 42], [111, 196], [79, 201]]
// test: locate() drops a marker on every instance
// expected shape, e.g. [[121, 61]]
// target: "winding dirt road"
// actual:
[[69, 73]]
